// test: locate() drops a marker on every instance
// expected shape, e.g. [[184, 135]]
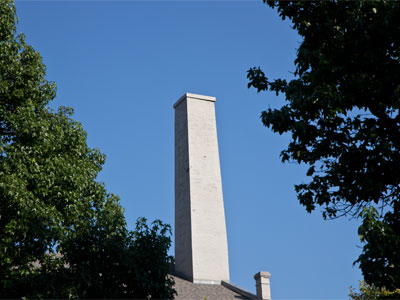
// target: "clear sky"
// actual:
[[122, 65]]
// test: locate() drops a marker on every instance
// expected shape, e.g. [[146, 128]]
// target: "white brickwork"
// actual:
[[201, 249]]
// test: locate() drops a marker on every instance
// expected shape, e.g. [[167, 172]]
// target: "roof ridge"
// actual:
[[238, 290]]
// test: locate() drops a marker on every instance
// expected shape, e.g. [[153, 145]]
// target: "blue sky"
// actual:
[[122, 65]]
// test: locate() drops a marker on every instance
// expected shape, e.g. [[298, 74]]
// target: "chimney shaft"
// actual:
[[201, 248], [263, 285]]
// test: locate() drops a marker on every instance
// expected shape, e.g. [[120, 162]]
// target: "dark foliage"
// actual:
[[342, 110]]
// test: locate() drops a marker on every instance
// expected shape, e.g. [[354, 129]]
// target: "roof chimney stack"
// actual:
[[201, 247], [263, 285]]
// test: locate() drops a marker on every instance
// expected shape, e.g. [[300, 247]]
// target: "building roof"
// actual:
[[188, 290]]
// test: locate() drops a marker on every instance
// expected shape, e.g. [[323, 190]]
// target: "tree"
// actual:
[[61, 234], [369, 292], [342, 110]]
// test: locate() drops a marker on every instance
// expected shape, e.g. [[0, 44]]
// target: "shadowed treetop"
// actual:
[[342, 110]]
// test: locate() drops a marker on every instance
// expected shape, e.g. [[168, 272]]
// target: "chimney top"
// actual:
[[194, 96]]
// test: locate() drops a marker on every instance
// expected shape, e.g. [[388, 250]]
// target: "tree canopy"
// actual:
[[62, 235], [342, 110], [369, 292]]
